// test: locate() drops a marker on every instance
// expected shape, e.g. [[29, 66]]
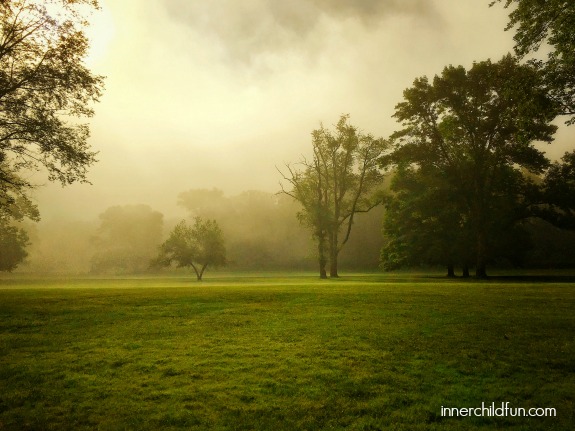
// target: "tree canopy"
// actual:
[[197, 246], [558, 193], [474, 130], [548, 23], [44, 89]]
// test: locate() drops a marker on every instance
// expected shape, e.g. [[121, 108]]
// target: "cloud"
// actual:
[[248, 29]]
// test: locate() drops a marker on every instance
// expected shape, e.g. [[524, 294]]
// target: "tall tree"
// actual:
[[549, 23], [44, 89], [197, 246], [261, 232], [476, 128], [339, 182]]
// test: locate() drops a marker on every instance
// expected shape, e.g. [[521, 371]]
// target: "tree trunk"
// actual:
[[322, 264], [201, 274], [333, 252], [322, 259], [465, 271], [450, 270], [333, 267], [481, 266], [198, 273]]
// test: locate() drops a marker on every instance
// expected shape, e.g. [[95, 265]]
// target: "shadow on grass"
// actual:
[[506, 278], [534, 278]]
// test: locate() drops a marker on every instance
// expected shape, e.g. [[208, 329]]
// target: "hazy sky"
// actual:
[[203, 94]]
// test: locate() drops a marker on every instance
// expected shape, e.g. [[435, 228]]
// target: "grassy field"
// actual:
[[366, 352]]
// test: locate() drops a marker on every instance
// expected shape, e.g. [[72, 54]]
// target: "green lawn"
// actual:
[[366, 352]]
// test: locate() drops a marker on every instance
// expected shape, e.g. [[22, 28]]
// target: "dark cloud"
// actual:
[[249, 28]]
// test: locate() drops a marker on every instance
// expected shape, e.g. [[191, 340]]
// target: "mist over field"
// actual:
[[204, 95]]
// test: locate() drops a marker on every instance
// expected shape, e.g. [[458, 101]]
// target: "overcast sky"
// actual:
[[203, 94]]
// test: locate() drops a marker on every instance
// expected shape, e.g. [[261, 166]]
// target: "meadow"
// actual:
[[284, 352]]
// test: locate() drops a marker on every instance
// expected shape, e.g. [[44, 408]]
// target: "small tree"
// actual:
[[197, 246]]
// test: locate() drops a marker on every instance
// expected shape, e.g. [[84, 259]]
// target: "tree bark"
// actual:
[[333, 252], [333, 268], [465, 271], [202, 272], [198, 276], [450, 270], [321, 256], [481, 266]]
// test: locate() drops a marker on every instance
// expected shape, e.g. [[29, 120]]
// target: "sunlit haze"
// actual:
[[217, 94]]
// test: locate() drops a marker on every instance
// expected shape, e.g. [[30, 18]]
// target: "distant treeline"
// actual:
[[261, 232]]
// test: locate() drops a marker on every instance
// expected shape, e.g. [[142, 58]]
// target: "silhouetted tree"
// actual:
[[558, 195], [476, 130], [338, 183], [197, 246], [13, 242], [423, 223], [548, 23], [14, 208], [44, 88]]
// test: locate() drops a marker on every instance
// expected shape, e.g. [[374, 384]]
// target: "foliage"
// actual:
[[14, 207], [423, 223], [548, 23], [474, 131], [559, 192], [197, 246], [128, 237], [13, 242], [338, 183], [44, 89]]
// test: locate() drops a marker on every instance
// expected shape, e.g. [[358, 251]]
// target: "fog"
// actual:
[[203, 95]]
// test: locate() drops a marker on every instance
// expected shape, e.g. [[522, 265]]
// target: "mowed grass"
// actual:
[[366, 352]]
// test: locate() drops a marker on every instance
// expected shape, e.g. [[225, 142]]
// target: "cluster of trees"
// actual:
[[127, 239], [44, 90], [460, 187], [467, 181], [259, 229], [467, 185]]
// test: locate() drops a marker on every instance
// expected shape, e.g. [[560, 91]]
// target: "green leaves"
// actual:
[[13, 242], [43, 85], [467, 136], [340, 181], [197, 246], [548, 23]]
